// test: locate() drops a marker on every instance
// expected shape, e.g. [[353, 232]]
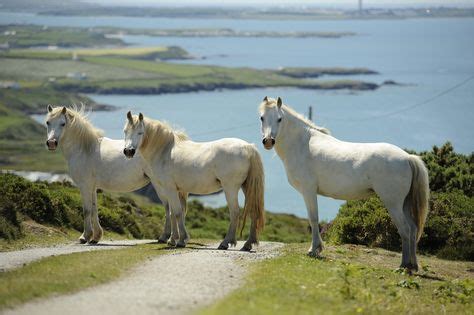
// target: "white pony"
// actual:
[[94, 161], [317, 163], [178, 166]]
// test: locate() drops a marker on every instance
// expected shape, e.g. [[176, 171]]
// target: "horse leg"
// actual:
[[183, 199], [395, 209], [167, 231], [177, 213], [96, 228], [311, 201], [231, 195], [252, 237], [413, 263], [86, 196]]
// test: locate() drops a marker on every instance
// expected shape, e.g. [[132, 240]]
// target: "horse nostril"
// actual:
[[47, 142], [273, 141], [55, 142], [125, 151], [132, 151], [264, 140]]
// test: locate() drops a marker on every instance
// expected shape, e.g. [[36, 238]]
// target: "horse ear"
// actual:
[[279, 102], [140, 117], [129, 117], [50, 108], [64, 111], [265, 99]]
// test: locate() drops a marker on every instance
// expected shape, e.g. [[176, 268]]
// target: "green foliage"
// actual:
[[36, 201], [10, 227], [364, 222], [449, 170], [449, 229], [60, 205]]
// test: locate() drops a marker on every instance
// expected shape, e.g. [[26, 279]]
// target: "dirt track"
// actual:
[[14, 259], [176, 283]]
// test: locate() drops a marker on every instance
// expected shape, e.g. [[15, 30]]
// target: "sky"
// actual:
[[321, 3]]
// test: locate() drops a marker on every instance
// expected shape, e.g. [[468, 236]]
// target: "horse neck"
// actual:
[[292, 134], [158, 140], [70, 144]]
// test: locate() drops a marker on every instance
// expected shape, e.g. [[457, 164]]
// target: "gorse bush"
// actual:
[[449, 229], [450, 171], [60, 205], [37, 201]]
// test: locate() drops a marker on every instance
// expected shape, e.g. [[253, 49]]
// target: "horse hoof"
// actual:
[[316, 255], [161, 241], [409, 268], [93, 242], [82, 241], [223, 247], [181, 244], [246, 248]]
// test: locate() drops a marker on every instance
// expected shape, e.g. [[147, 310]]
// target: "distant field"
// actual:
[[44, 69], [20, 36], [146, 53]]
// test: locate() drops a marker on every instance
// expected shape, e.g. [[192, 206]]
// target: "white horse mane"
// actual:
[[287, 109], [81, 128], [159, 134]]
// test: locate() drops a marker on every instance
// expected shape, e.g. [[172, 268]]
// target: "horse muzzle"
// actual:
[[52, 144], [268, 143], [129, 153]]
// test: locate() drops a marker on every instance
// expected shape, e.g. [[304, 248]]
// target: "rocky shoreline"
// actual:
[[197, 87]]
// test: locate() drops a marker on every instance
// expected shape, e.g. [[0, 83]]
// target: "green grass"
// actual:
[[350, 279], [46, 235], [24, 36], [70, 273], [146, 53], [33, 69]]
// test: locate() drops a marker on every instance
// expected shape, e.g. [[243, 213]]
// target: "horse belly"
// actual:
[[345, 185], [200, 185], [121, 176]]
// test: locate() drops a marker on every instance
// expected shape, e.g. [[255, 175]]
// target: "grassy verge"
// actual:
[[70, 273], [350, 279], [41, 235]]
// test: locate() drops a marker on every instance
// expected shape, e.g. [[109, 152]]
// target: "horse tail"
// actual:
[[419, 193], [253, 188]]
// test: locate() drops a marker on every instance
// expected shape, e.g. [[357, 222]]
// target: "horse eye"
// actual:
[[279, 119], [261, 118], [140, 133], [63, 124], [47, 123]]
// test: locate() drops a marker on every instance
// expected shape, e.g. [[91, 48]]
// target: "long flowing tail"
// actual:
[[253, 188], [419, 193]]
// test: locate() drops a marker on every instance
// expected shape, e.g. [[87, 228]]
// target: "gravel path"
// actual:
[[177, 283], [14, 259]]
